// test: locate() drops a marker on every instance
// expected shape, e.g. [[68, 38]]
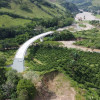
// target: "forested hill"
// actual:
[[67, 5], [88, 5]]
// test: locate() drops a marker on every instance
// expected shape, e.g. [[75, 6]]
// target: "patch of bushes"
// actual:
[[63, 36], [25, 8], [83, 67], [95, 23], [91, 38], [15, 87], [4, 3], [26, 88]]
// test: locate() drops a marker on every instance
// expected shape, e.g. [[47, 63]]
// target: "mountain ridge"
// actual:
[[87, 5]]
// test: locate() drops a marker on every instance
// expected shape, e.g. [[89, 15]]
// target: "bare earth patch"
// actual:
[[54, 86], [70, 44]]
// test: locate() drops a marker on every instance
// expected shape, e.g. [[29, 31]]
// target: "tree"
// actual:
[[2, 69], [23, 95], [0, 95], [9, 87], [8, 90], [24, 84], [13, 76], [2, 60], [64, 35]]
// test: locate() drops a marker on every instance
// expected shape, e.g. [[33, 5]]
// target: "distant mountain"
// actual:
[[68, 5], [87, 5]]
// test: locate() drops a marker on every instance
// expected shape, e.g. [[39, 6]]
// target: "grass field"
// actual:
[[36, 12], [82, 25], [28, 9], [97, 16], [7, 21], [32, 10]]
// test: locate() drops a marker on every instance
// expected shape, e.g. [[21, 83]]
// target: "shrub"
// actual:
[[23, 95], [64, 35], [2, 60], [24, 84]]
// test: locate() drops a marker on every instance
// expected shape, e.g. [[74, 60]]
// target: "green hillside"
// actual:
[[88, 5], [96, 3], [67, 5], [26, 10]]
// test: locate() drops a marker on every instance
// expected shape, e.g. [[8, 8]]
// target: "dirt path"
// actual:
[[69, 44]]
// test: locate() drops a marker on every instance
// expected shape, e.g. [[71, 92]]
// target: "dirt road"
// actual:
[[70, 44]]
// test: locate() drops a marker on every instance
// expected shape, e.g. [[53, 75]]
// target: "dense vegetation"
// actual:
[[68, 5], [23, 19], [15, 36], [95, 23], [62, 36], [24, 11], [12, 85], [16, 28], [81, 66], [88, 5], [4, 3], [28, 6], [91, 38]]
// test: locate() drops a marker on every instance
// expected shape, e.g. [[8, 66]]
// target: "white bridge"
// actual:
[[18, 63]]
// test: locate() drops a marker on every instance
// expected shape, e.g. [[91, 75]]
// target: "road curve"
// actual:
[[18, 63], [22, 50]]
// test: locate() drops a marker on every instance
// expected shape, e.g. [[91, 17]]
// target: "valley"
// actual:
[[62, 65]]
